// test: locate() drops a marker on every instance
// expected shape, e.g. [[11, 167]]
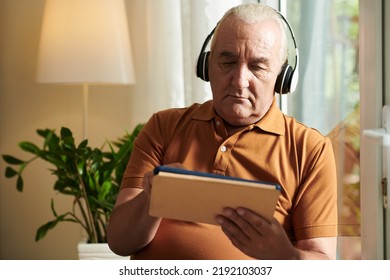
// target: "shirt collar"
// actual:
[[205, 112], [272, 122]]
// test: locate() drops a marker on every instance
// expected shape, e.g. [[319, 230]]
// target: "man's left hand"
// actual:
[[255, 236]]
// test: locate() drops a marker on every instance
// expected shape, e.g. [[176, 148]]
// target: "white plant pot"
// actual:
[[97, 251]]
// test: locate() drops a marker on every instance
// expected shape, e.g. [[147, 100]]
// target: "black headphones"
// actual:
[[286, 81]]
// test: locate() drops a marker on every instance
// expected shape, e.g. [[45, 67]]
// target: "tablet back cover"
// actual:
[[200, 199]]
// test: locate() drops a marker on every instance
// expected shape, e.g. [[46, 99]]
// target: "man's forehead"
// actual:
[[238, 34], [237, 29]]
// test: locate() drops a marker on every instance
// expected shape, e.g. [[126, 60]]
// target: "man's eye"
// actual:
[[258, 70], [256, 67], [227, 65]]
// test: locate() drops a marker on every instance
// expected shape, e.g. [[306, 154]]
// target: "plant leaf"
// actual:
[[51, 139], [44, 132], [19, 183], [66, 132], [67, 139], [42, 230], [10, 172], [83, 144], [105, 190], [68, 143], [103, 204], [12, 160], [29, 147]]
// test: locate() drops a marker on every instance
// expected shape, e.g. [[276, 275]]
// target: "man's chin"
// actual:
[[240, 121], [236, 115]]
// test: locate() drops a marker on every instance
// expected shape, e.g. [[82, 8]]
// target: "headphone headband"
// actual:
[[286, 81]]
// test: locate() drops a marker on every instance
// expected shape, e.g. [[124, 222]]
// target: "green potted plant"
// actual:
[[92, 176]]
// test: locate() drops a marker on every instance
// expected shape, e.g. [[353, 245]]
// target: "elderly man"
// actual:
[[241, 133]]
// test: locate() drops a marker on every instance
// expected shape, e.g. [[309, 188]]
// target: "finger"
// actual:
[[147, 182], [232, 231], [236, 225], [256, 221]]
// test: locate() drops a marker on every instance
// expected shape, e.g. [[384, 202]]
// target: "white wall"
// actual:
[[26, 106]]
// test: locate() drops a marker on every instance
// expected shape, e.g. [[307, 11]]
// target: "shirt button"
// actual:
[[223, 149]]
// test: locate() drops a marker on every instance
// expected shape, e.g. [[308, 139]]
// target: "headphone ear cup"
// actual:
[[202, 66], [283, 81]]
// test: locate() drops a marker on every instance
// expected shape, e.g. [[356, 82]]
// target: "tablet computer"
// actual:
[[198, 196]]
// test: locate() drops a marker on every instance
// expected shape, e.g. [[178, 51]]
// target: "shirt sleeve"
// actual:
[[149, 146], [315, 209], [147, 153]]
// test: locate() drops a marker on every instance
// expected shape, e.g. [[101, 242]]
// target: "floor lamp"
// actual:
[[85, 42]]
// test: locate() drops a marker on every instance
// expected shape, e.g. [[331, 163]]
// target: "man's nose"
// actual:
[[240, 79]]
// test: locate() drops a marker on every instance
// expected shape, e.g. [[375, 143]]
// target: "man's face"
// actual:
[[244, 64]]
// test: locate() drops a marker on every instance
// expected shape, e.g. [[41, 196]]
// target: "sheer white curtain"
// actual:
[[173, 32], [327, 97], [326, 33]]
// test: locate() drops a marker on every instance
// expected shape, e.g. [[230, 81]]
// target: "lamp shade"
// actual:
[[85, 41]]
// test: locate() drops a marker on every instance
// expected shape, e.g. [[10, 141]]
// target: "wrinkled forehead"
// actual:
[[258, 34], [261, 32], [242, 27]]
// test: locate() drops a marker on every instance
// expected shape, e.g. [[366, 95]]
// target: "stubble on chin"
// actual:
[[238, 115]]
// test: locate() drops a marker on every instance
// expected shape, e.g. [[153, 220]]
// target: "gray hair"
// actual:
[[254, 12]]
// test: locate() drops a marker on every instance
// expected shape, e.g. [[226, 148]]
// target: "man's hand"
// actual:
[[148, 178], [255, 236]]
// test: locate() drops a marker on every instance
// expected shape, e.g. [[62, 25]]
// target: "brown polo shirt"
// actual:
[[276, 149]]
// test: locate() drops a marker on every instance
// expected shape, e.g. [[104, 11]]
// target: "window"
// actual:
[[327, 96]]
